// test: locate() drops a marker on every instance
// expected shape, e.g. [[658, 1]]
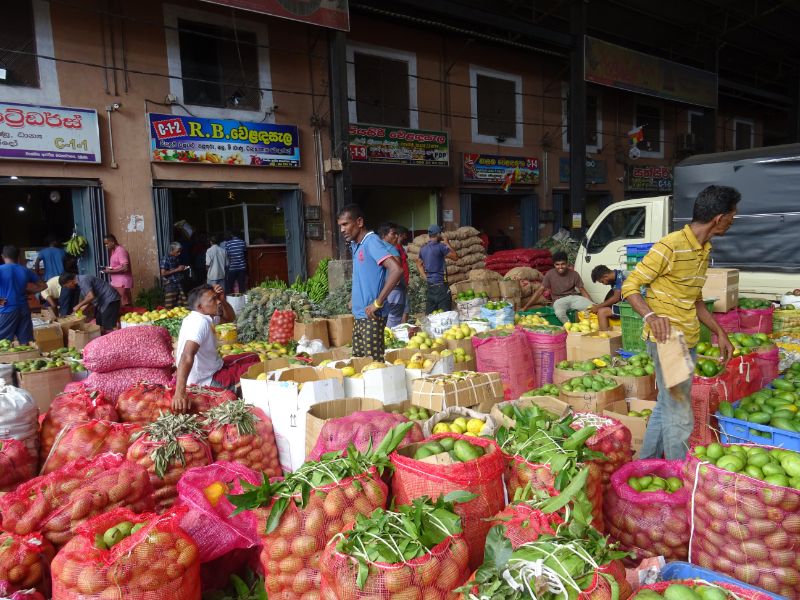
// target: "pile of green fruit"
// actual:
[[468, 295], [708, 367], [754, 303], [644, 413], [774, 466], [8, 346], [460, 450], [114, 535], [778, 407], [497, 304], [70, 353], [638, 365], [743, 343], [550, 389], [681, 591], [578, 365], [654, 483], [38, 364], [416, 413], [588, 383]]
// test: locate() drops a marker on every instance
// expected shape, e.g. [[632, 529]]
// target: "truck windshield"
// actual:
[[622, 224]]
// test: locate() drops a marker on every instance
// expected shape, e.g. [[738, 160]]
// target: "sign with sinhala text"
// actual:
[[644, 178], [51, 133], [325, 13], [181, 139], [398, 145], [490, 168]]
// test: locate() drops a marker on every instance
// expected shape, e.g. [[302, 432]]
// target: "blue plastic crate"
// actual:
[[736, 431], [682, 570], [638, 248]]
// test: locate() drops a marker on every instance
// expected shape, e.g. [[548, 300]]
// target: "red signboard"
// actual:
[[325, 13]]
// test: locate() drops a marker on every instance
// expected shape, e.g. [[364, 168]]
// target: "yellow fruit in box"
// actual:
[[441, 428], [474, 426], [461, 422], [455, 428], [325, 362], [427, 364], [261, 376], [470, 434], [467, 357], [399, 361], [348, 371], [599, 362], [413, 364], [372, 366]]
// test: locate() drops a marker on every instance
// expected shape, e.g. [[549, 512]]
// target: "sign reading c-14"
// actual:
[[183, 139]]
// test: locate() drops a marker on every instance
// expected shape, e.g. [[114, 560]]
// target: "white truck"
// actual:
[[763, 243]]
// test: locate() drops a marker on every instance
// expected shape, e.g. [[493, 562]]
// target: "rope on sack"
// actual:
[[694, 491]]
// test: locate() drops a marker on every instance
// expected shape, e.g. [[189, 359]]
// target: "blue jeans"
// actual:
[[16, 322], [672, 421]]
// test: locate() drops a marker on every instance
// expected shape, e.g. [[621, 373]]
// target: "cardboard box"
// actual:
[[12, 357], [66, 323], [586, 346], [254, 390], [387, 385], [332, 354], [510, 290], [43, 386], [340, 330], [81, 334], [558, 407], [321, 413], [469, 350], [290, 394], [441, 365], [48, 337], [643, 388], [638, 425], [562, 375], [723, 286], [491, 288], [593, 402], [436, 392], [315, 329]]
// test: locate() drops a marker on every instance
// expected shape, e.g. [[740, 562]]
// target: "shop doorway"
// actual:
[[414, 208], [510, 219], [270, 221]]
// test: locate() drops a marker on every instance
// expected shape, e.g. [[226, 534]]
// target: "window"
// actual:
[[696, 128], [18, 51], [218, 71], [743, 134], [649, 117], [496, 107], [382, 86], [381, 90], [623, 224], [594, 121]]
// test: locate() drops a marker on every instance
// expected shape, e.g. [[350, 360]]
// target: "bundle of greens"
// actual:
[[253, 321]]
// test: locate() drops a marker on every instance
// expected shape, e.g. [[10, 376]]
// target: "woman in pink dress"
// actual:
[[119, 267]]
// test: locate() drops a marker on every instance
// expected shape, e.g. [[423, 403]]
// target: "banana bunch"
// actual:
[[317, 285], [76, 245]]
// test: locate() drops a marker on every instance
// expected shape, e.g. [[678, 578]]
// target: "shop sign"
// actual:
[[325, 13], [397, 145], [643, 178], [596, 171], [490, 168], [181, 139], [52, 133]]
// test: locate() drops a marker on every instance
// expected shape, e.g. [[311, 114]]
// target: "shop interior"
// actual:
[[500, 218], [415, 208]]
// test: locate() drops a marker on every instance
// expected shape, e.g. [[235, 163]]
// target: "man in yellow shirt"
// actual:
[[674, 271]]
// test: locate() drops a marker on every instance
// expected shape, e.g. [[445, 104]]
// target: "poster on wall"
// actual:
[[182, 139], [49, 133], [644, 178], [398, 145], [325, 13], [490, 168]]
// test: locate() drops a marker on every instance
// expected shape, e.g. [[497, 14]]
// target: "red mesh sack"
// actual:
[[729, 321], [87, 440], [216, 574], [16, 464], [767, 359], [524, 523], [208, 514], [432, 576], [25, 562], [744, 527], [193, 452], [360, 429], [291, 554], [57, 503], [145, 346], [519, 472], [482, 476], [113, 383], [741, 593], [77, 406], [547, 350], [281, 326], [7, 594], [241, 433], [755, 320], [511, 357], [612, 439], [143, 401], [158, 562], [648, 523]]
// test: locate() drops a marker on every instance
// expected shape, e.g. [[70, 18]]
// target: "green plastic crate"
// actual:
[[546, 312], [705, 332], [632, 327]]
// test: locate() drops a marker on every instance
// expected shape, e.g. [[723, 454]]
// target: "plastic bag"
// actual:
[[145, 346], [19, 418], [482, 476], [281, 326], [432, 576], [142, 402], [57, 503], [16, 464], [648, 523], [310, 346], [613, 439], [453, 412], [436, 324], [87, 440], [510, 356], [208, 511], [291, 554], [360, 429], [158, 562], [498, 317], [25, 562], [257, 450], [548, 350]]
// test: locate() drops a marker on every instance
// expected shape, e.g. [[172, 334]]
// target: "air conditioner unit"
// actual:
[[687, 142]]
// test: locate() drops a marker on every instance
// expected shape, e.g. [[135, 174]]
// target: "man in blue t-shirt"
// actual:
[[15, 282], [53, 259], [432, 266], [376, 272], [609, 307]]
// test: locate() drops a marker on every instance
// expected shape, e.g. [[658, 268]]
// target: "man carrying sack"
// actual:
[[674, 271]]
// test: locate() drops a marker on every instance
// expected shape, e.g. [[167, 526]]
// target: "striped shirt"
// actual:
[[235, 249], [674, 272]]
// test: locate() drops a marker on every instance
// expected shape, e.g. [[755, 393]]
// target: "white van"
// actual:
[[763, 243]]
